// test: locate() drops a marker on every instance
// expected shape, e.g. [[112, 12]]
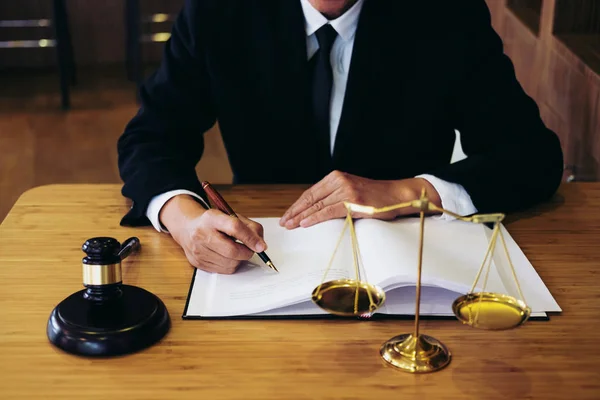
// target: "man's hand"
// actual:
[[325, 200], [206, 235]]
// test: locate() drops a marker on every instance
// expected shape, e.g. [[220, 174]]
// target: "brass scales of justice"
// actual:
[[416, 352]]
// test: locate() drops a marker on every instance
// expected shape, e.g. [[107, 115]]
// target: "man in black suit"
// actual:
[[359, 97]]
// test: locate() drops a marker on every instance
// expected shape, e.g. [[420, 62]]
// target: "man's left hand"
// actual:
[[325, 200]]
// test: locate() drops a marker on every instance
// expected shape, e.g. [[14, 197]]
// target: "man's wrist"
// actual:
[[178, 211], [410, 189], [430, 191], [453, 196]]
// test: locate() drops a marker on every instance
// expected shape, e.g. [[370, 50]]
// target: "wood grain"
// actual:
[[40, 259], [528, 11], [577, 16]]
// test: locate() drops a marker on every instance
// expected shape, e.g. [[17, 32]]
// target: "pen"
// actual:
[[222, 205]]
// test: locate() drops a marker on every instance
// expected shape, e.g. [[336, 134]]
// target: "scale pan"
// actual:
[[492, 311], [348, 297]]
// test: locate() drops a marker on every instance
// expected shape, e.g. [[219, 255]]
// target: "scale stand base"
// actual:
[[415, 355]]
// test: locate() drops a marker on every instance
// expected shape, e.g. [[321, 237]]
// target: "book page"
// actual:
[[435, 301], [536, 294], [452, 256], [301, 256], [452, 253]]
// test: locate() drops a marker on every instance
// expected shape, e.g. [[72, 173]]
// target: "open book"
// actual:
[[452, 255]]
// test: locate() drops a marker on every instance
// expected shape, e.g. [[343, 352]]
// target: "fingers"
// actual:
[[237, 229], [227, 247], [311, 196], [322, 207], [209, 261], [210, 242], [255, 226], [337, 210]]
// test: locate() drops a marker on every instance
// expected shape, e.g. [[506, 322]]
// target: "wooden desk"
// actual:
[[40, 256]]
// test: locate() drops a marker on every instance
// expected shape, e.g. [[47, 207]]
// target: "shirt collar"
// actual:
[[345, 25]]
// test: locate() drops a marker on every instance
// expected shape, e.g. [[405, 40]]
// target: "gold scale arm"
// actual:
[[423, 205]]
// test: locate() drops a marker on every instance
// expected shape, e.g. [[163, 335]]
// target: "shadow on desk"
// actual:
[[557, 201], [357, 361], [480, 386]]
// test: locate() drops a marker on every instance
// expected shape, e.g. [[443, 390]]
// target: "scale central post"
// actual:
[[417, 353]]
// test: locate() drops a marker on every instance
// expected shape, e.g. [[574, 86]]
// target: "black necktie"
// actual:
[[322, 83]]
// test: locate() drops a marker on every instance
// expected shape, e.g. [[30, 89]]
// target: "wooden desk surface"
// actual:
[[40, 265]]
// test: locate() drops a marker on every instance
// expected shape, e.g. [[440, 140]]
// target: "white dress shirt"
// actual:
[[454, 197]]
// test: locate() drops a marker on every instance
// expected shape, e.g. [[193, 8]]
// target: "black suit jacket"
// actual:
[[419, 70]]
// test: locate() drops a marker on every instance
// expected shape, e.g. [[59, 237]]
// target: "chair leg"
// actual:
[[133, 46], [69, 46], [60, 26]]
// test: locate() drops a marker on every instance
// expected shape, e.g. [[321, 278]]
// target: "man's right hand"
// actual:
[[206, 235]]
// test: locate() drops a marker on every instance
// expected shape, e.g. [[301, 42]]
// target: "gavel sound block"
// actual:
[[107, 318]]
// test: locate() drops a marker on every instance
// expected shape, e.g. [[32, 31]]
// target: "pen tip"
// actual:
[[270, 264]]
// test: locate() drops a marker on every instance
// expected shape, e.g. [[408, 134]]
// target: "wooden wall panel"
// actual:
[[497, 12], [571, 88], [591, 130], [577, 16], [564, 83], [533, 5], [528, 11], [596, 132], [578, 111], [554, 104], [558, 84], [521, 45]]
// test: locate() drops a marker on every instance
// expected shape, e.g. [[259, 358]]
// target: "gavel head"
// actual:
[[102, 265]]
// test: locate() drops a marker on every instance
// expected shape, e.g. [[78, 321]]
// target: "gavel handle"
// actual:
[[129, 246]]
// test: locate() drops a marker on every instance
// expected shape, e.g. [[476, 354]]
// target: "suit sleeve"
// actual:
[[514, 161], [161, 146]]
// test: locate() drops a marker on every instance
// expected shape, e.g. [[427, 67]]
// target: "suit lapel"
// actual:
[[364, 72], [291, 58], [292, 89], [295, 88]]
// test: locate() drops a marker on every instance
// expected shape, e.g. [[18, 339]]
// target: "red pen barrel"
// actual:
[[217, 200]]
